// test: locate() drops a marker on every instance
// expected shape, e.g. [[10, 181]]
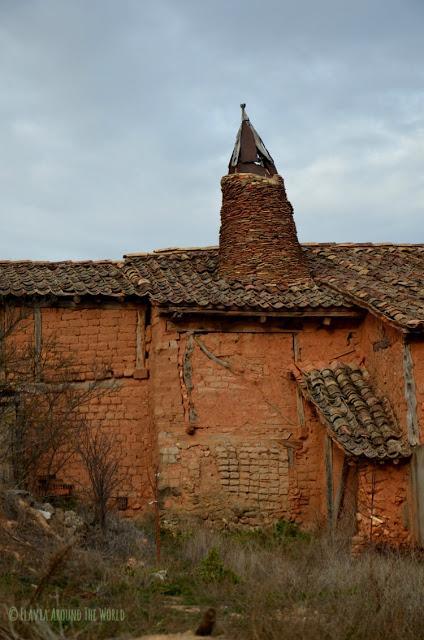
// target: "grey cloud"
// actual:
[[118, 119]]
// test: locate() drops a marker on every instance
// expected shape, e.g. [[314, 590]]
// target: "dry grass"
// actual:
[[263, 585]]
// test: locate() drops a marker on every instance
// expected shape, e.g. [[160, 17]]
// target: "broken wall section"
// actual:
[[238, 444]]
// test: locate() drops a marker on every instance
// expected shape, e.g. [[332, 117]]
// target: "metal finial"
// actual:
[[250, 155]]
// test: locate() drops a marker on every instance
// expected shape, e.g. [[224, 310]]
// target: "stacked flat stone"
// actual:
[[258, 240]]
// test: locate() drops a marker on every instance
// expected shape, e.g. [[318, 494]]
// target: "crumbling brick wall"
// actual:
[[238, 444], [382, 505]]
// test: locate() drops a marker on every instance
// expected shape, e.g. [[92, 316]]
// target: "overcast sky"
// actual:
[[118, 118]]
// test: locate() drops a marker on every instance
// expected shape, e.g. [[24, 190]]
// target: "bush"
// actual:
[[284, 529], [212, 569]]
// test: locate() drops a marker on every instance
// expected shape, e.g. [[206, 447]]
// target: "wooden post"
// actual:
[[329, 480], [410, 395], [338, 506], [417, 486], [140, 339], [38, 338]]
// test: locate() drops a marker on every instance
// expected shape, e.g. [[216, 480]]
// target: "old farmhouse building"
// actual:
[[266, 379]]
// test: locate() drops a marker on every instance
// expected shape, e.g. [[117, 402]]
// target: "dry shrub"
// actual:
[[263, 586], [310, 589], [122, 539]]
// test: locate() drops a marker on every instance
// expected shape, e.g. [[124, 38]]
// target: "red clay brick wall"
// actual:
[[382, 347], [103, 342], [237, 442], [105, 339], [96, 339], [258, 239]]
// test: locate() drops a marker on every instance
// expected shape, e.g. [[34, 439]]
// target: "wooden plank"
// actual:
[[417, 486], [65, 303], [271, 314], [328, 455], [222, 327], [299, 406], [296, 348], [140, 358], [38, 339], [338, 505], [410, 395]]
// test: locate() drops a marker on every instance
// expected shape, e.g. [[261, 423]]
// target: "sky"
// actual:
[[118, 119]]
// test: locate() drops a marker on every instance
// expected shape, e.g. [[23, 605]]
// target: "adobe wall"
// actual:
[[383, 508], [106, 342], [238, 445], [237, 442], [384, 492], [382, 347]]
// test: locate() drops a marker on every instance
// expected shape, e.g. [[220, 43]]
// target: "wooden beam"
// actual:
[[38, 339], [71, 302], [417, 486], [314, 313], [410, 395], [232, 325], [140, 339], [328, 456], [338, 506]]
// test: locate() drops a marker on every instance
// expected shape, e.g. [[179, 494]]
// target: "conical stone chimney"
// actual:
[[258, 240]]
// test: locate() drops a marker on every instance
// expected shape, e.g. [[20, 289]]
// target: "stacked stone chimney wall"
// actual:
[[258, 239]]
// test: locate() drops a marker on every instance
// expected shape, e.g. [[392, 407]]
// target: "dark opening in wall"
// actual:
[[122, 503]]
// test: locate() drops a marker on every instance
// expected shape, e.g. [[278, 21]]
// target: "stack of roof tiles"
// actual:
[[258, 238], [362, 423]]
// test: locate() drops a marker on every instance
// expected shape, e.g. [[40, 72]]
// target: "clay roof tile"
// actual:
[[362, 429]]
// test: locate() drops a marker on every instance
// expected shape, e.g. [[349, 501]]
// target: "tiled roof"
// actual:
[[26, 278], [387, 279], [189, 277], [362, 423]]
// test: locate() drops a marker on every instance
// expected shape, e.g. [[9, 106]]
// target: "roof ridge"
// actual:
[[60, 262], [171, 250], [362, 244], [166, 250]]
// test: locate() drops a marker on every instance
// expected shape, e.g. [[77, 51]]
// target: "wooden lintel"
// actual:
[[140, 340], [73, 302], [222, 327], [314, 313]]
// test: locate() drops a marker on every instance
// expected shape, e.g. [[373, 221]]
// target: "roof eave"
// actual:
[[320, 312]]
